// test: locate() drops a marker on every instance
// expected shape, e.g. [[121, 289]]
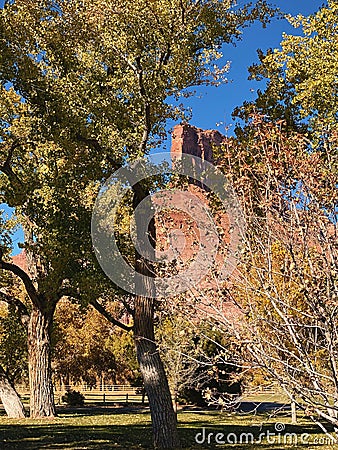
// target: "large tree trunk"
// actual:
[[10, 398], [39, 358], [155, 380], [154, 377]]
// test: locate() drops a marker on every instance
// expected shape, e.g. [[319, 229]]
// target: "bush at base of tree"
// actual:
[[73, 398]]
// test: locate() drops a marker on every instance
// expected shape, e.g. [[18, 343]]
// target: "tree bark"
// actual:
[[39, 358], [10, 398], [156, 384], [154, 377]]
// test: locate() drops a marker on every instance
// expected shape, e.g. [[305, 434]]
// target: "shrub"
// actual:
[[73, 398]]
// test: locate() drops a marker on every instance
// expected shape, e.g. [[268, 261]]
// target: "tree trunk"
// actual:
[[10, 398], [154, 377], [39, 358]]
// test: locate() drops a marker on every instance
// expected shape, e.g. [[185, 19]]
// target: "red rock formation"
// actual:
[[21, 260], [194, 141], [184, 226], [209, 291]]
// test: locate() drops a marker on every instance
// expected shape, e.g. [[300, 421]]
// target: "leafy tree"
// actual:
[[87, 348], [37, 179], [301, 76], [193, 355], [94, 77], [122, 346], [23, 190], [13, 350], [180, 353]]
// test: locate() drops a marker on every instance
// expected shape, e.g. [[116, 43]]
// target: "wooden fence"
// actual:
[[103, 394]]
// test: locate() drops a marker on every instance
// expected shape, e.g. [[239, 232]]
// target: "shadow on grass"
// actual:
[[115, 431], [249, 436], [53, 436], [101, 408]]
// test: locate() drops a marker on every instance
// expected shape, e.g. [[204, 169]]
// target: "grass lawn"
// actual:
[[122, 428]]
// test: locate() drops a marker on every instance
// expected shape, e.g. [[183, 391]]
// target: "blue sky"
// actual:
[[214, 105], [217, 104]]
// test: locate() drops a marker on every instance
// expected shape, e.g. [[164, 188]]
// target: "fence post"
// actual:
[[104, 398], [127, 397], [293, 413]]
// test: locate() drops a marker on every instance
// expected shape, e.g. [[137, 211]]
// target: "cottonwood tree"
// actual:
[[286, 280], [89, 349], [301, 76], [36, 180], [97, 76]]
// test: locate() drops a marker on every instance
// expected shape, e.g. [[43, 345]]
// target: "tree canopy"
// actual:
[[301, 75]]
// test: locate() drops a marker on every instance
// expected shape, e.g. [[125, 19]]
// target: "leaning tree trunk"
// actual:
[[156, 384], [10, 398], [154, 377], [39, 358]]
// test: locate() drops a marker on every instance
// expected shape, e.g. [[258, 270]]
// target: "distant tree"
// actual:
[[180, 354], [88, 348], [13, 350], [121, 344], [192, 353]]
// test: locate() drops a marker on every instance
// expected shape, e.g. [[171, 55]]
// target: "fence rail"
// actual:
[[106, 397], [88, 387], [99, 388], [99, 394]]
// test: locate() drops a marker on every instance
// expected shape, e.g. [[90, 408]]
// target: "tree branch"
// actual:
[[127, 307], [30, 288], [94, 143], [101, 309], [68, 292], [89, 141], [6, 166], [20, 307]]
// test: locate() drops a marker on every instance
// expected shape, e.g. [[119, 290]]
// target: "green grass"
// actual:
[[114, 429], [263, 397]]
